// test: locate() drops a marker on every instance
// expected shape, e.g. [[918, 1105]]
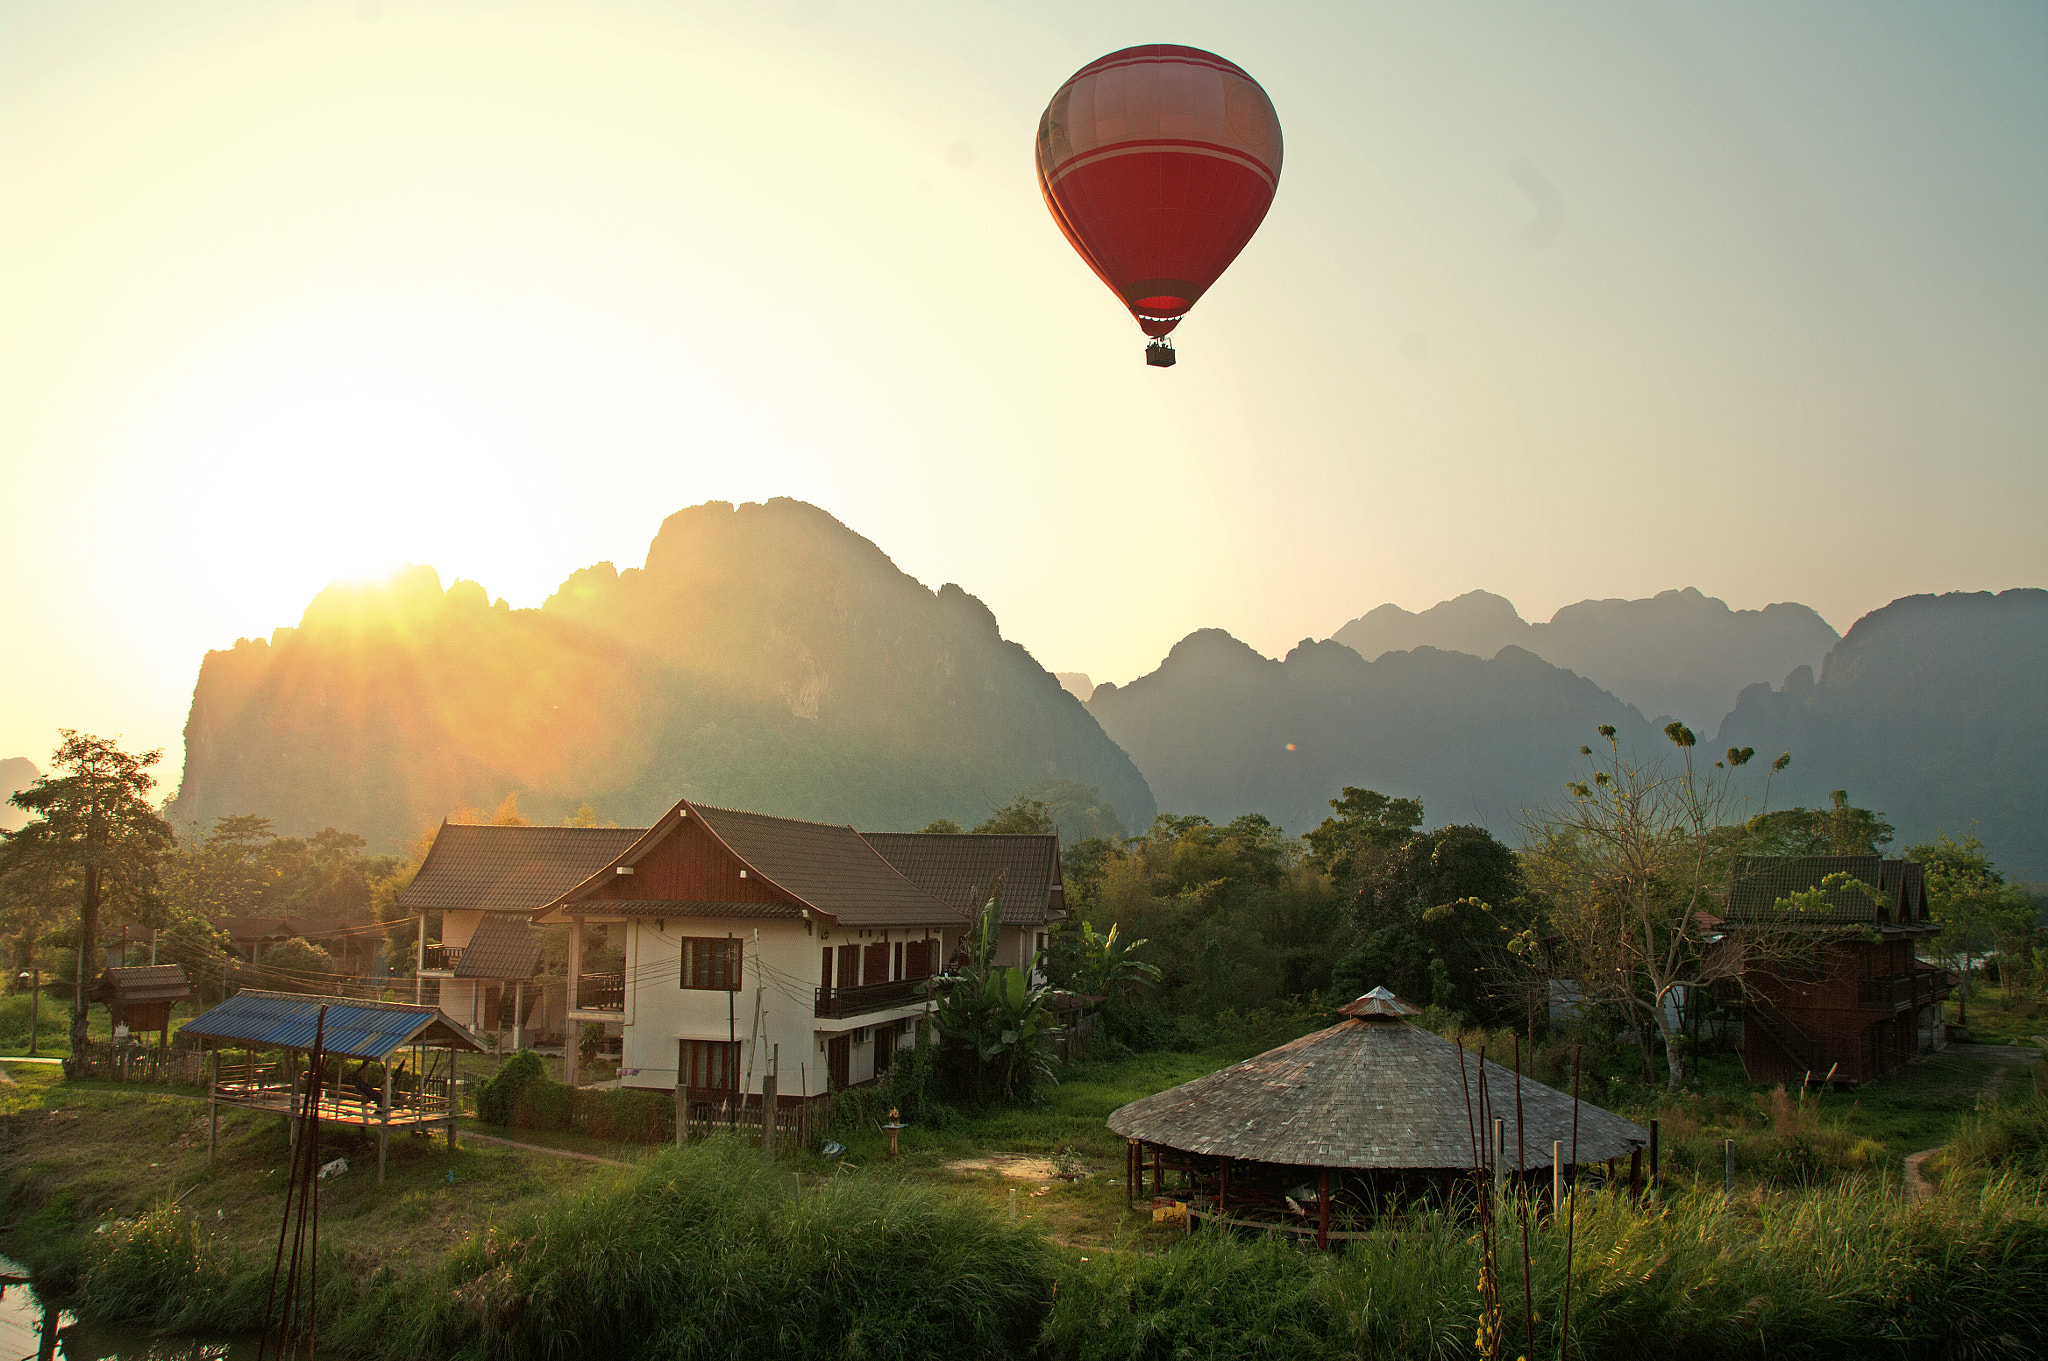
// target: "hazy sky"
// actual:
[[1559, 300]]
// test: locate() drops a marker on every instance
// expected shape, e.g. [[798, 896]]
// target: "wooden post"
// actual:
[[768, 1114], [384, 1129], [1635, 1174], [1653, 1160], [1500, 1148], [682, 1094], [518, 1006], [1222, 1186], [571, 1027], [1158, 1173], [291, 1119], [453, 1096], [1556, 1177], [1323, 1209], [212, 1101]]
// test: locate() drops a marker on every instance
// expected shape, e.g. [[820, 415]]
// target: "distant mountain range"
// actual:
[[768, 657], [765, 657], [1931, 711], [1220, 730], [1678, 655], [16, 773]]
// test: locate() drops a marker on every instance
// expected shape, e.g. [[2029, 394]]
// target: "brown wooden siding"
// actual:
[[691, 865]]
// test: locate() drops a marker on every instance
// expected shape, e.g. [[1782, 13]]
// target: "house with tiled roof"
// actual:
[[1838, 993], [485, 883], [963, 869], [750, 945]]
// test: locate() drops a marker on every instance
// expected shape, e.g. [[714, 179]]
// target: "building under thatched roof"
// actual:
[[1375, 1102]]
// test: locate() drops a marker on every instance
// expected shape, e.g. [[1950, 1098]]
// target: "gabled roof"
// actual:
[[1757, 883], [1372, 1092], [142, 983], [510, 869], [820, 867], [958, 869], [830, 867], [356, 1029], [502, 947]]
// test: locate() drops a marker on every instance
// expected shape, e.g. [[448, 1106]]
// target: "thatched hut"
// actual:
[[1338, 1122], [140, 997]]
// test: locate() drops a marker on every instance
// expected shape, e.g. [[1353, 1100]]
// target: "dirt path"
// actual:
[[469, 1134], [2007, 1057]]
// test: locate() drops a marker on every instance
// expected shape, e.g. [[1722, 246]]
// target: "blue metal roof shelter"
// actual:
[[355, 1029]]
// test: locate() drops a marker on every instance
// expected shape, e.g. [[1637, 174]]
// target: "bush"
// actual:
[[497, 1096], [1825, 1273], [703, 1252], [2010, 1137]]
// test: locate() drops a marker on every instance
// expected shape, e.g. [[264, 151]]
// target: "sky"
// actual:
[[1558, 300]]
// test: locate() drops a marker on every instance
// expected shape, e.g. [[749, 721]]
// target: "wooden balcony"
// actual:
[[600, 992], [1901, 992], [838, 1003], [440, 958]]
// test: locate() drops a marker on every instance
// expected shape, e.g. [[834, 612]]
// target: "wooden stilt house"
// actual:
[[1317, 1135]]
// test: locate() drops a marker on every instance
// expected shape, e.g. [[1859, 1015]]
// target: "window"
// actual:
[[917, 959], [711, 963], [709, 1065]]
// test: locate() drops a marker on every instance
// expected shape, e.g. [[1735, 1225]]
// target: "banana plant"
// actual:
[[996, 1019]]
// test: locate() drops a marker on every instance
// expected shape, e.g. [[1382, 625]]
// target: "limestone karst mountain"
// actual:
[[1679, 654], [16, 773], [765, 657], [1221, 730], [1934, 710]]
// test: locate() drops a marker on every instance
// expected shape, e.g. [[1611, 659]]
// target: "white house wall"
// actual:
[[772, 1015]]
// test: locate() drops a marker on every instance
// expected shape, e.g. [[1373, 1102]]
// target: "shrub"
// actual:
[[703, 1252], [498, 1095]]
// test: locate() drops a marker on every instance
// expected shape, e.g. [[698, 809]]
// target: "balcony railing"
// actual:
[[440, 957], [601, 992], [1900, 991], [842, 1002]]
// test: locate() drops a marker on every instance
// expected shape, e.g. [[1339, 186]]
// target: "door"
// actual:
[[849, 966], [875, 964], [839, 1062]]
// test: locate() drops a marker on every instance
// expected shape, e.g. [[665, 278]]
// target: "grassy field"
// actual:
[[110, 1185]]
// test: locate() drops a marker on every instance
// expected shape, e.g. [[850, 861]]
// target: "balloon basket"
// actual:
[[1159, 353]]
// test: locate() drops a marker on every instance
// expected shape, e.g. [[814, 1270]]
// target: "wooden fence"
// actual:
[[138, 1063]]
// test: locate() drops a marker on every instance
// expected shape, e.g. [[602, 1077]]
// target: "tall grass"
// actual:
[[709, 1251], [2008, 1137], [1838, 1272]]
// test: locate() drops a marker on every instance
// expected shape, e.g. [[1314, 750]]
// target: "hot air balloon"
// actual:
[[1159, 163]]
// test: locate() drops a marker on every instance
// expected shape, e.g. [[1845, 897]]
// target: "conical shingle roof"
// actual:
[[1373, 1092]]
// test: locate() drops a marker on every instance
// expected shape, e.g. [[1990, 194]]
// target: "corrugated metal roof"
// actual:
[[1369, 1093], [957, 868], [510, 869], [357, 1029]]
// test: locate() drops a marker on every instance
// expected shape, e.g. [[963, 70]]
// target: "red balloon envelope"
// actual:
[[1159, 163]]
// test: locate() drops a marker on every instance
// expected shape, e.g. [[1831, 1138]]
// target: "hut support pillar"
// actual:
[[1222, 1185], [1158, 1172], [212, 1102], [1323, 1209], [384, 1128]]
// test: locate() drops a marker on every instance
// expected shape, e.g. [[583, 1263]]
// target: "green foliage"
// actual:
[[2010, 1136], [705, 1252], [1813, 1274], [1021, 815], [1433, 915], [295, 965], [498, 1094], [995, 1022], [1366, 820], [940, 827], [1837, 829]]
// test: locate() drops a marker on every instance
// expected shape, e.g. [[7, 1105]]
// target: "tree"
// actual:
[[1367, 821], [1433, 916], [1977, 909], [1022, 815], [995, 1020], [92, 818], [296, 965], [1837, 829], [941, 827], [1631, 870]]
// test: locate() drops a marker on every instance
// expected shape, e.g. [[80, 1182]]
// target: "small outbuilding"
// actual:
[[404, 1057], [1327, 1129], [141, 996]]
